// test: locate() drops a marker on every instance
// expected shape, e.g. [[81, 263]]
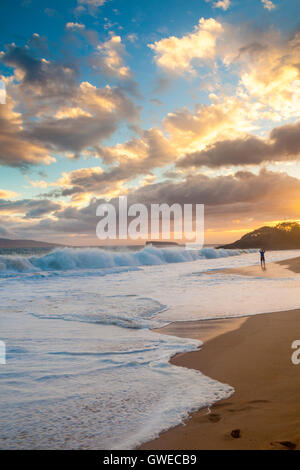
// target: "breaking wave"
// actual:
[[66, 259]]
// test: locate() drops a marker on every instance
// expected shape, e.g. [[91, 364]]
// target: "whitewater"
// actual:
[[84, 368]]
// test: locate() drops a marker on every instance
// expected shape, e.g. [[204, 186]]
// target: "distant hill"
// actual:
[[284, 236], [8, 243], [161, 244]]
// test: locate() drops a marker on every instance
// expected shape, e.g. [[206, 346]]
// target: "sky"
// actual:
[[173, 101]]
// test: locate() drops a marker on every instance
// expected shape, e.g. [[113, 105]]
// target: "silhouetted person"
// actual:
[[262, 259]]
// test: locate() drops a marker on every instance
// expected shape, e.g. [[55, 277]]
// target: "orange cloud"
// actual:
[[15, 148], [75, 26], [268, 5], [176, 55], [110, 58], [6, 194], [223, 4]]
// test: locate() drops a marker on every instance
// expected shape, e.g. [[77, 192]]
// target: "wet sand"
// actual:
[[292, 264], [272, 270], [253, 355]]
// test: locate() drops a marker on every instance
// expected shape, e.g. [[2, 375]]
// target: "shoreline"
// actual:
[[202, 330], [252, 354]]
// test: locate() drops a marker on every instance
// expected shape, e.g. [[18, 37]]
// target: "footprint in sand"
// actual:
[[285, 444], [214, 417]]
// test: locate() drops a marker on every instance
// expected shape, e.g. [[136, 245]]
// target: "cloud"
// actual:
[[156, 101], [90, 116], [75, 26], [39, 76], [7, 194], [39, 43], [5, 233], [185, 132], [268, 4], [190, 131], [58, 113], [28, 208], [177, 55], [41, 184], [95, 3], [242, 187], [16, 149], [152, 145], [132, 37], [92, 6], [223, 4], [265, 62], [244, 195], [268, 68], [283, 144], [110, 59], [126, 162], [140, 156], [64, 115], [161, 84], [212, 136], [2, 92]]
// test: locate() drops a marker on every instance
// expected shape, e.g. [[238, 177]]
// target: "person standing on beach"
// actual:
[[262, 258]]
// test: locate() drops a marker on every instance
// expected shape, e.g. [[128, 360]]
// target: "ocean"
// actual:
[[84, 370]]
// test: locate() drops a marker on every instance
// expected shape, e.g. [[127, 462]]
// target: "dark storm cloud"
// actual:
[[50, 77], [283, 145], [30, 208], [241, 187], [73, 134]]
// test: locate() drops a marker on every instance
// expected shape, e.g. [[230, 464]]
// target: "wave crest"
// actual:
[[66, 259]]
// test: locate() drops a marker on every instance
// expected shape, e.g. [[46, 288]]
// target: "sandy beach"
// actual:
[[253, 355]]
